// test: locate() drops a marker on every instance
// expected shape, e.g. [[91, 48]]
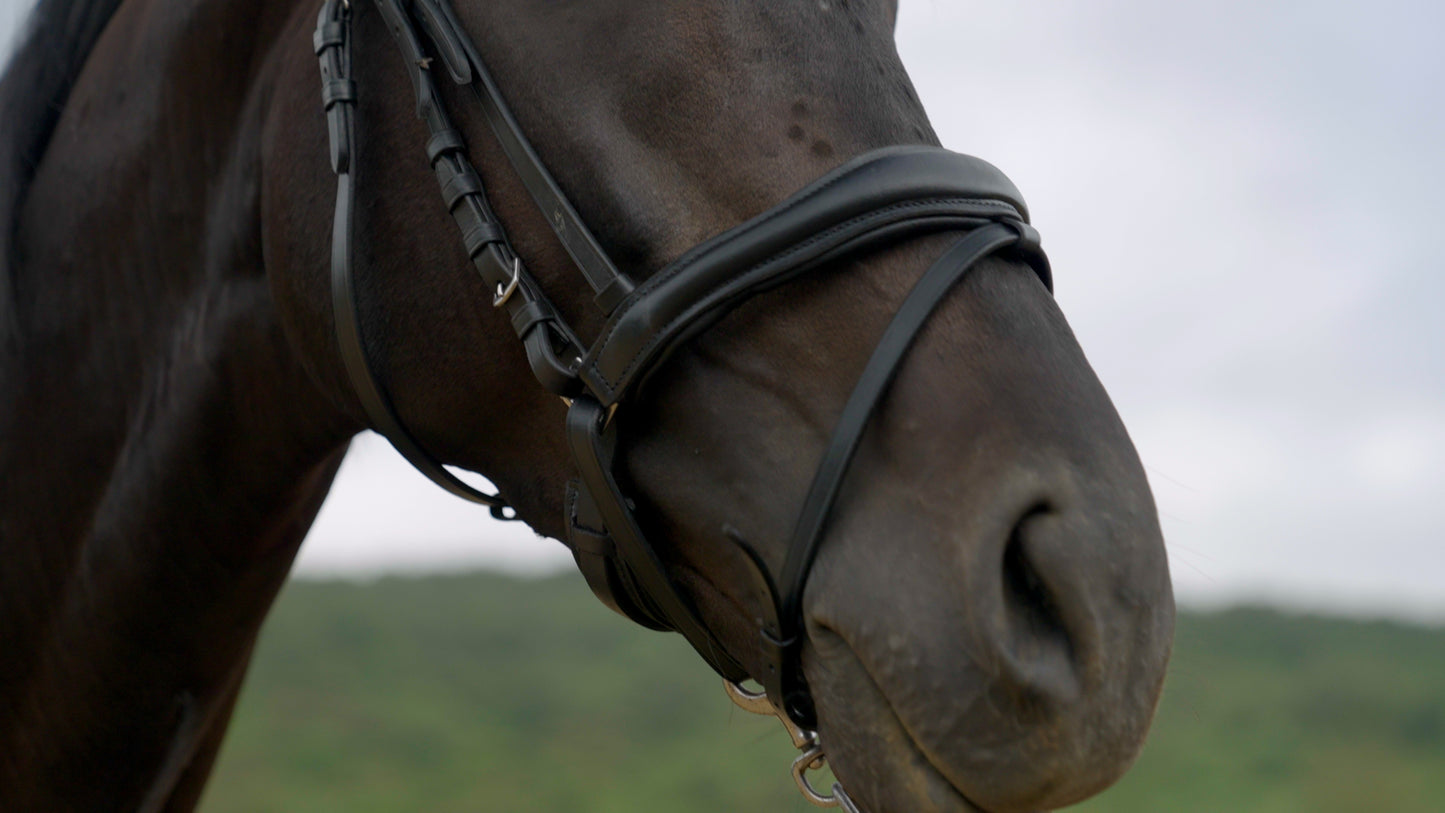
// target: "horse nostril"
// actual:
[[1028, 600], [1041, 622]]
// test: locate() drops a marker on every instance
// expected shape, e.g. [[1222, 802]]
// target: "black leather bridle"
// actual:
[[876, 199]]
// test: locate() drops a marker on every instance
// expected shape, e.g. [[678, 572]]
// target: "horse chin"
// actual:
[[886, 770], [876, 760], [889, 762]]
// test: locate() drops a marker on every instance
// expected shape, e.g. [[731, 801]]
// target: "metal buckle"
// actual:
[[505, 292], [804, 740]]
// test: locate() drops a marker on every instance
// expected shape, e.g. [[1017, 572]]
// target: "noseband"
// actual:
[[877, 199]]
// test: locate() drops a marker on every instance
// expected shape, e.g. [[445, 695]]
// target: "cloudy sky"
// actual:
[[1243, 202]]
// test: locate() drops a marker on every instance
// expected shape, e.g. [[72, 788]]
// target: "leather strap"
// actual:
[[880, 197], [601, 274], [596, 557], [553, 350], [333, 45], [782, 645], [593, 446]]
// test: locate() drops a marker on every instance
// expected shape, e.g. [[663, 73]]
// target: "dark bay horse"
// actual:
[[989, 622]]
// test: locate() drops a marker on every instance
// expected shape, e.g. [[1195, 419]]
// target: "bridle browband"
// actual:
[[876, 199]]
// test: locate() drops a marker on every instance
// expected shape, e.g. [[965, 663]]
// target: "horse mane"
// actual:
[[33, 90]]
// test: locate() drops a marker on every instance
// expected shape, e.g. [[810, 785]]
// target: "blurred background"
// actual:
[[1242, 201]]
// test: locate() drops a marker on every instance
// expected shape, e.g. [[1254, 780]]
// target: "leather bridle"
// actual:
[[876, 199]]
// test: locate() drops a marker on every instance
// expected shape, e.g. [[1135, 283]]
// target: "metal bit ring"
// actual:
[[812, 759], [804, 740]]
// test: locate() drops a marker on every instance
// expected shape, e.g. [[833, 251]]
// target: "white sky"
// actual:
[[1242, 200]]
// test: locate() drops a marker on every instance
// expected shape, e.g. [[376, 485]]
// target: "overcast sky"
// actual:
[[1242, 201]]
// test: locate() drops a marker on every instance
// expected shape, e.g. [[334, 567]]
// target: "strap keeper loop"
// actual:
[[443, 142], [529, 316], [616, 291], [479, 234], [1030, 240], [337, 90], [459, 185], [328, 35]]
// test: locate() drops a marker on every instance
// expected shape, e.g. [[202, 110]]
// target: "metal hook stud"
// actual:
[[505, 292]]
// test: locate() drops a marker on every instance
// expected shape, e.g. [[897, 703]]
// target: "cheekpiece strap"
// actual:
[[460, 54], [647, 594]]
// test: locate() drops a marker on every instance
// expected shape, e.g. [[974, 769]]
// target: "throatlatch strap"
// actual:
[[333, 46]]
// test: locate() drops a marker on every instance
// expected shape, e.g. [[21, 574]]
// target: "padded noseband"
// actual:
[[876, 199]]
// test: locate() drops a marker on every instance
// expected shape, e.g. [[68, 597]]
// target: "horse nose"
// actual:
[[1021, 649], [1073, 628]]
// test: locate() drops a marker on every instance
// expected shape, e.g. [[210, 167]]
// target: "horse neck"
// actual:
[[162, 452]]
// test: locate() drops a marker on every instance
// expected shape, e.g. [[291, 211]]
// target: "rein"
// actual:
[[876, 199]]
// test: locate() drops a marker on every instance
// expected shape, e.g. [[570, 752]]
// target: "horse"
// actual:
[[988, 616]]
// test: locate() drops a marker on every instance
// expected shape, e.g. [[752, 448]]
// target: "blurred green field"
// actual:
[[485, 693]]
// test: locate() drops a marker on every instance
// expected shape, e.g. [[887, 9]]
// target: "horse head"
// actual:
[[989, 614]]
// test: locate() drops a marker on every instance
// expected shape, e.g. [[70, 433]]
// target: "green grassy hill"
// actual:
[[484, 693]]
